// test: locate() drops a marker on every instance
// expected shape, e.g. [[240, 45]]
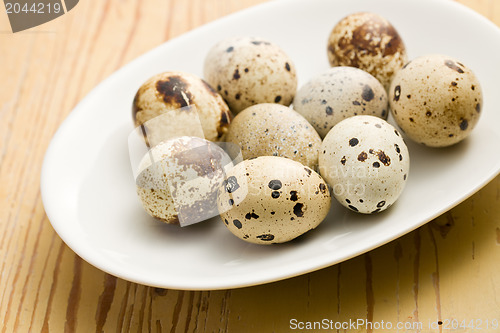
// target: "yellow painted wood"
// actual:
[[445, 270]]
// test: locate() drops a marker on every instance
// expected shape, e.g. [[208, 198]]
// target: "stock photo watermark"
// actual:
[[26, 14], [451, 325]]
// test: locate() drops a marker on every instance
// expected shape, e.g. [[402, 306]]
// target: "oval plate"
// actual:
[[89, 192]]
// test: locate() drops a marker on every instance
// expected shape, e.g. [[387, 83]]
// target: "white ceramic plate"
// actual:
[[88, 188]]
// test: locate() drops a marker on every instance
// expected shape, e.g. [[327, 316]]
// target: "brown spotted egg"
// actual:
[[369, 42], [178, 179], [174, 90], [436, 100], [366, 162], [248, 71], [272, 200], [274, 130], [339, 93]]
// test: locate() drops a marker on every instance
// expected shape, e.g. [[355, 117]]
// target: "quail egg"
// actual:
[[339, 93], [248, 71], [275, 130], [369, 42], [178, 180], [272, 200], [436, 100], [174, 90], [366, 162]]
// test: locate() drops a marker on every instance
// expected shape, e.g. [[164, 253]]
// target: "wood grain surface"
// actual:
[[446, 270]]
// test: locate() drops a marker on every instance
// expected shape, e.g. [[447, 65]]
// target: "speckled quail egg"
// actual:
[[366, 162], [369, 42], [272, 200], [178, 179], [173, 90], [436, 100], [274, 130], [249, 70], [339, 93]]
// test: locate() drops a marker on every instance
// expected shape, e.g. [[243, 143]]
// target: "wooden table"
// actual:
[[446, 270]]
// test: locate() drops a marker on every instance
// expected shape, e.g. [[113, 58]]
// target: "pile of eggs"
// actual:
[[299, 147]]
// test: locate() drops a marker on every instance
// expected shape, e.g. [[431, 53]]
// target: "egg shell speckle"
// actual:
[[271, 199], [366, 162], [436, 100], [178, 179], [339, 93], [250, 70], [275, 130], [174, 90], [369, 42]]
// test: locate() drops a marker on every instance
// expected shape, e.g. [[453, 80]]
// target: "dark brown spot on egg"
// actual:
[[275, 184], [277, 99], [451, 64], [329, 110], [454, 84], [382, 157], [408, 96], [348, 201], [353, 142], [412, 120], [376, 164], [478, 107], [297, 209], [464, 124], [231, 202], [343, 160], [356, 103], [237, 224], [275, 194], [237, 96], [287, 66], [174, 90], [367, 93], [251, 215], [236, 74], [230, 49], [378, 126], [397, 93], [362, 156], [428, 113], [225, 119], [397, 148], [294, 196], [473, 87], [308, 171], [231, 184], [266, 237], [322, 188], [353, 208], [381, 204], [225, 221], [246, 70]]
